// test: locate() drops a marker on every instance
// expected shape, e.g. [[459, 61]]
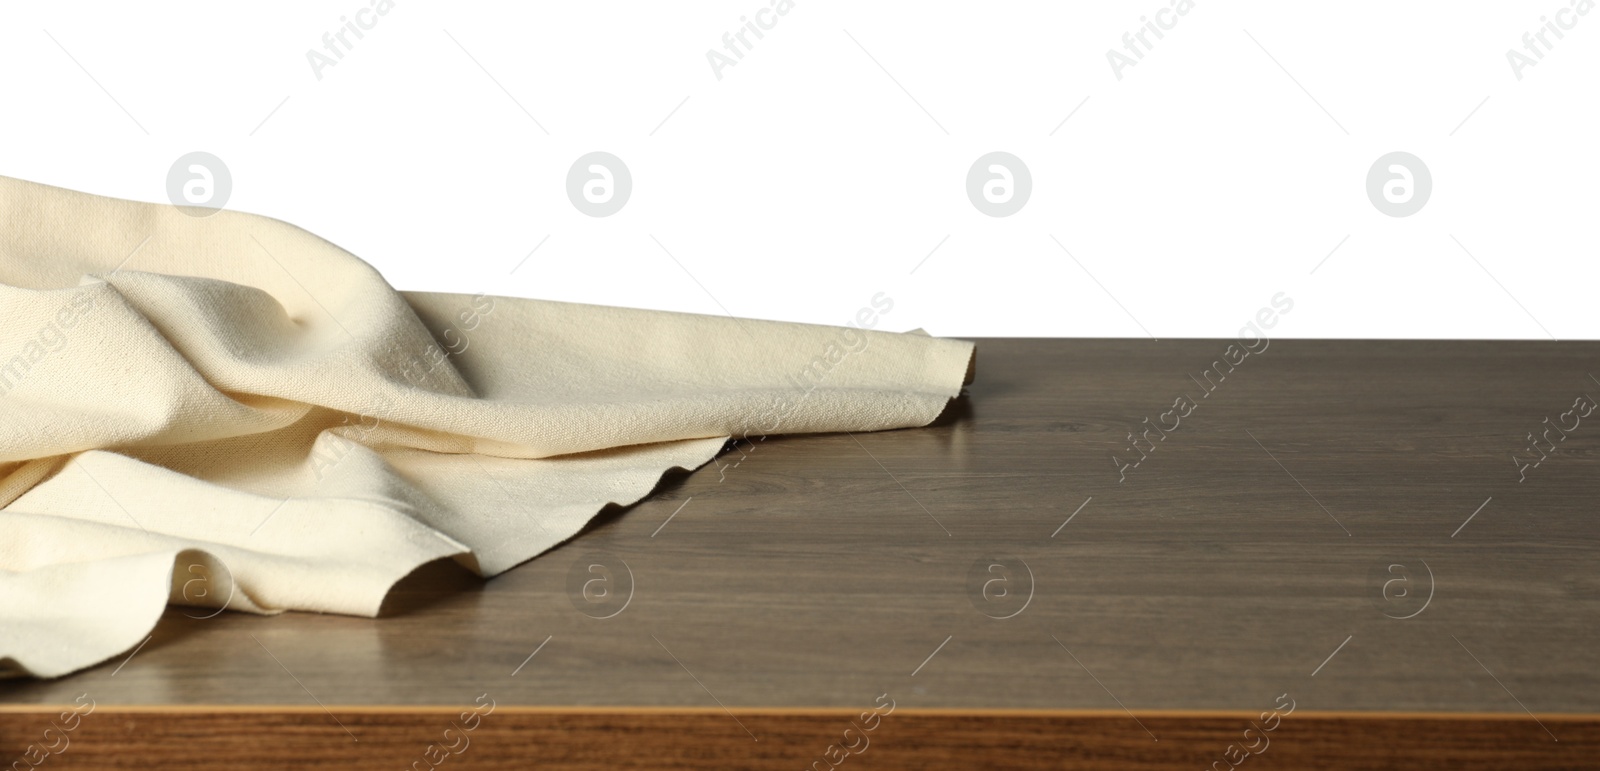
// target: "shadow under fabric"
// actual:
[[234, 399]]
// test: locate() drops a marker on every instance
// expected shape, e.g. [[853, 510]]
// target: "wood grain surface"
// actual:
[[591, 740], [1339, 523]]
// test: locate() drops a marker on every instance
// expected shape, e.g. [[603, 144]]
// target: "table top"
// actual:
[[1342, 524]]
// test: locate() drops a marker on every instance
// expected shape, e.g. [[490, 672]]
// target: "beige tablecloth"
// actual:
[[228, 411]]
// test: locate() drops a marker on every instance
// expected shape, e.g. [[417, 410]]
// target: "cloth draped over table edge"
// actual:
[[225, 411]]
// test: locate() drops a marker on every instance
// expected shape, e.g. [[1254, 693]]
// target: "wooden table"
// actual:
[[1335, 525]]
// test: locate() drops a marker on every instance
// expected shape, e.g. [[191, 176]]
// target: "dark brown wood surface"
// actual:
[[709, 739], [1338, 523]]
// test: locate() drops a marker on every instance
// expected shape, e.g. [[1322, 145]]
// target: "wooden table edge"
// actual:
[[262, 736], [530, 709]]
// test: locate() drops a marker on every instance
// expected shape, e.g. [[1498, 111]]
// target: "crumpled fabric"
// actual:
[[226, 411]]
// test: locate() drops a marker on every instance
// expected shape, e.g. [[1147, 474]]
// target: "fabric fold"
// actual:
[[227, 412]]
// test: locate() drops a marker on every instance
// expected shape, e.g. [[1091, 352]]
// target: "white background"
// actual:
[[806, 180]]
